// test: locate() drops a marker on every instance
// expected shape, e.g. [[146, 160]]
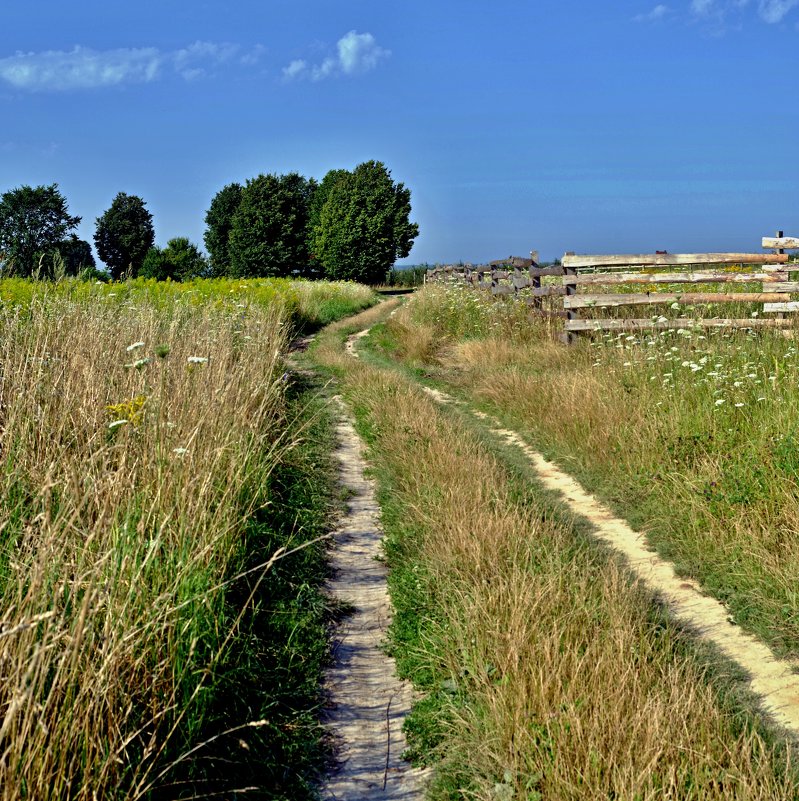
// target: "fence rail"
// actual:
[[587, 283]]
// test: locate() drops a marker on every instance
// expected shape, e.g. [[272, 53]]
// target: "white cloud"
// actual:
[[84, 68], [770, 11], [356, 53], [190, 62], [80, 68], [657, 13], [774, 10]]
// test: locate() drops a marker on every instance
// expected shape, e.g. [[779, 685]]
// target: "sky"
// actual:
[[595, 127]]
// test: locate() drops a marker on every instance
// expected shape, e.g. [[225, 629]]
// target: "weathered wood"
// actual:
[[512, 261], [781, 242], [540, 272], [705, 276], [788, 306], [648, 298], [672, 259], [629, 325], [502, 290], [784, 286], [520, 281]]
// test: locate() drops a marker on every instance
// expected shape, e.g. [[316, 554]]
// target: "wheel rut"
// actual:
[[368, 703], [775, 681]]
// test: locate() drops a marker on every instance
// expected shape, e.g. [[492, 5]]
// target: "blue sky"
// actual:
[[627, 126]]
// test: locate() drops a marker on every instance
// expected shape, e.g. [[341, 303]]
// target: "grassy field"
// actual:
[[161, 631], [693, 435], [545, 671]]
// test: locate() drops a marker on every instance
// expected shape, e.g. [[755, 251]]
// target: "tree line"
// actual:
[[351, 225]]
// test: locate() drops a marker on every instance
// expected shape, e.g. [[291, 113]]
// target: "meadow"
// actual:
[[545, 670], [163, 491]]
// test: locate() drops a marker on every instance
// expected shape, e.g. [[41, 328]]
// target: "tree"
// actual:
[[33, 221], [364, 225], [77, 255], [180, 260], [219, 219], [268, 236], [319, 197], [124, 234]]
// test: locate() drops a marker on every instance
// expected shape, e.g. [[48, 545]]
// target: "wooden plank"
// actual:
[[789, 306], [784, 286], [547, 291], [647, 298], [540, 272], [705, 276], [682, 322], [502, 290], [781, 242], [673, 259], [512, 261]]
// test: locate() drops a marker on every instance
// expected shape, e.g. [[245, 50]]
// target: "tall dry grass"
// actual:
[[692, 434], [546, 673], [118, 537]]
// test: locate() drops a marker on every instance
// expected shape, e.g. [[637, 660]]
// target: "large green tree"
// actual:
[[268, 236], [180, 260], [77, 255], [364, 225], [219, 221], [33, 222], [319, 197], [124, 234]]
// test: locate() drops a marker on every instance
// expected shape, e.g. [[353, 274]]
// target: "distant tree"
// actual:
[[33, 221], [318, 199], [219, 221], [124, 234], [268, 236], [180, 260], [77, 255], [364, 225]]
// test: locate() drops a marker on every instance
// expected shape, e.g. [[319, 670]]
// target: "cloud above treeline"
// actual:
[[720, 11], [84, 68], [355, 53], [770, 11]]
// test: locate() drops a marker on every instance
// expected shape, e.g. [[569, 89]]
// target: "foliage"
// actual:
[[77, 255], [219, 222], [364, 225], [124, 234], [268, 233], [318, 199], [33, 223], [180, 260]]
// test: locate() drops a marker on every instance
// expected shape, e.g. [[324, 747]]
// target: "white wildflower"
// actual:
[[197, 359], [134, 346], [116, 424]]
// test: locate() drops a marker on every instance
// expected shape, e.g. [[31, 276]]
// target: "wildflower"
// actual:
[[134, 346], [720, 401], [755, 314], [675, 305], [738, 405], [116, 424], [180, 451], [197, 359]]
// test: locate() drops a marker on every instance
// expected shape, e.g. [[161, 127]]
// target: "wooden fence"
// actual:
[[590, 284]]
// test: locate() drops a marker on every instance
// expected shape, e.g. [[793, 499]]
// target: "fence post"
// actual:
[[535, 281], [567, 337]]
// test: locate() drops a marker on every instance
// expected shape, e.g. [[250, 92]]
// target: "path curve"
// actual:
[[368, 703], [772, 679]]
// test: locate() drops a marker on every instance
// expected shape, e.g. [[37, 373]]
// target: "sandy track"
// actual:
[[368, 703], [770, 678]]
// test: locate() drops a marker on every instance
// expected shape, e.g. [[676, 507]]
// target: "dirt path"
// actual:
[[770, 678], [368, 701]]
